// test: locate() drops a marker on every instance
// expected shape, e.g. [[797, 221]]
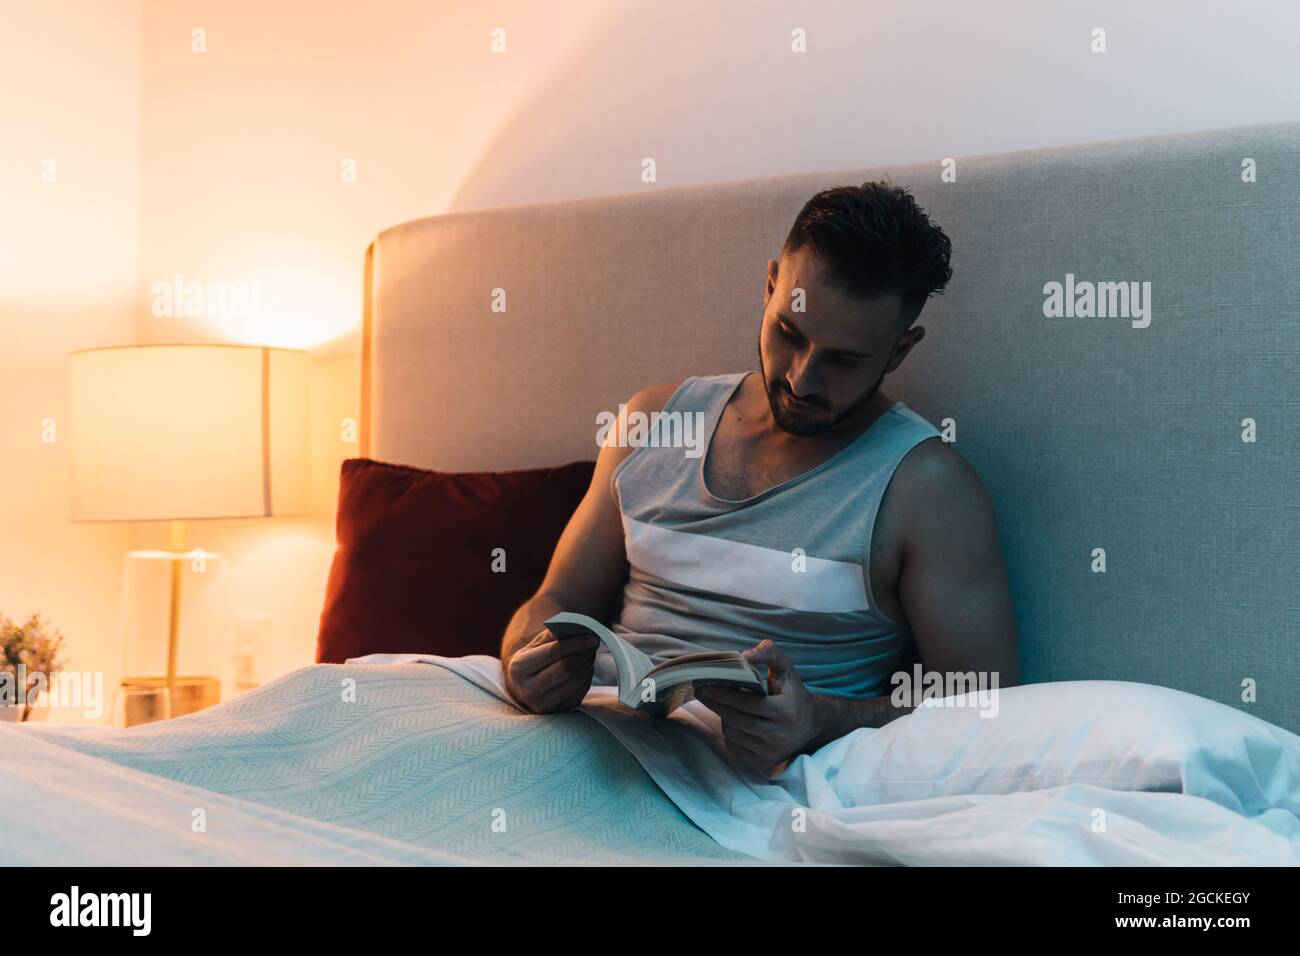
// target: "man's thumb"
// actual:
[[766, 655]]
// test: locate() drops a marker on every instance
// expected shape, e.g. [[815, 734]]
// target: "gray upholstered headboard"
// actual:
[[1088, 432]]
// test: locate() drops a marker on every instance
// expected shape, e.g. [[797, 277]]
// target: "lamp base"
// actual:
[[189, 694]]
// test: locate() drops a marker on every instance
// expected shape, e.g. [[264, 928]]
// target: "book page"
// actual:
[[731, 672], [631, 663]]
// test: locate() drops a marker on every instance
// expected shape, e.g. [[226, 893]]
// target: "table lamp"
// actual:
[[186, 432]]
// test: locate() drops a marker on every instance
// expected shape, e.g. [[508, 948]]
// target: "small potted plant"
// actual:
[[36, 648]]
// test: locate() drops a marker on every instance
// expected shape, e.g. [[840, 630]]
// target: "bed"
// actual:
[[1087, 432]]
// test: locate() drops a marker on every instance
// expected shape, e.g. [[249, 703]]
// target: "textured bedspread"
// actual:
[[421, 767], [394, 761]]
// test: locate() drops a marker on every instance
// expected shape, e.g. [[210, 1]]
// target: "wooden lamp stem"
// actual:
[[175, 544]]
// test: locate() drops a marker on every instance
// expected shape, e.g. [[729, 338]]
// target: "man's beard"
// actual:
[[805, 427]]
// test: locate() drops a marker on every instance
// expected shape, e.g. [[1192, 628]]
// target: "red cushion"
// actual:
[[413, 569]]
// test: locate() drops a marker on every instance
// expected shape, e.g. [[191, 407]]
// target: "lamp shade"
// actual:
[[170, 432]]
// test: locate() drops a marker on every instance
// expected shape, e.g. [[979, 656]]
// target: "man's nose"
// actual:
[[801, 377]]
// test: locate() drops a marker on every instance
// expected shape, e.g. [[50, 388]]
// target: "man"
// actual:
[[826, 531]]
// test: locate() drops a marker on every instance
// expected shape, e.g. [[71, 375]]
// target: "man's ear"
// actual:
[[906, 342], [770, 286]]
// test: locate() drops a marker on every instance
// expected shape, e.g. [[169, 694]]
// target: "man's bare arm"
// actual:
[[836, 716], [586, 574], [952, 585]]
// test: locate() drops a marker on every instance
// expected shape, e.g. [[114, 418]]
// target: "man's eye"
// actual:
[[849, 359], [788, 332]]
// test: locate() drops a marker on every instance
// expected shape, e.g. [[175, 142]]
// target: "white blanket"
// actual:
[[340, 765], [807, 813]]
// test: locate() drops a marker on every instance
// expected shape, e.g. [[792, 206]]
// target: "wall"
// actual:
[[69, 236]]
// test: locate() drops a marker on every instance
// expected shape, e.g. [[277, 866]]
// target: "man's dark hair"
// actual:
[[874, 240]]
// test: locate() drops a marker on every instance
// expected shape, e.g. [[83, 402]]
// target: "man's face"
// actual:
[[822, 365]]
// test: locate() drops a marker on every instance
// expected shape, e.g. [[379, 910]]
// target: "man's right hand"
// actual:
[[550, 674]]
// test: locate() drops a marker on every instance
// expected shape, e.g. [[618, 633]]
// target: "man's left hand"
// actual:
[[759, 731]]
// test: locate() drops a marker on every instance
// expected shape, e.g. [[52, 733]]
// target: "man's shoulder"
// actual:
[[933, 464], [653, 398], [939, 491]]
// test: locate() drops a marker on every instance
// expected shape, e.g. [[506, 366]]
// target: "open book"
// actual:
[[660, 689]]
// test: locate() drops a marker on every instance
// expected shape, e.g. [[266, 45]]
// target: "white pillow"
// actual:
[[1115, 734]]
